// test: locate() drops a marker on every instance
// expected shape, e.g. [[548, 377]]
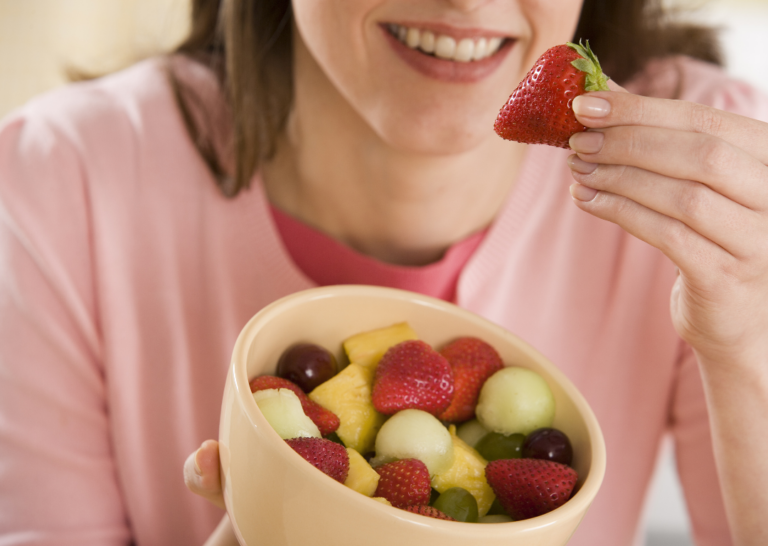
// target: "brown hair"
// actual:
[[247, 43]]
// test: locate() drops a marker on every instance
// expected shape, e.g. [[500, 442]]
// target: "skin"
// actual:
[[400, 148]]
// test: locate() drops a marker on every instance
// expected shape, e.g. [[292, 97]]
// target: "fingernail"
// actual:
[[592, 107], [198, 471], [580, 166], [587, 142], [582, 193]]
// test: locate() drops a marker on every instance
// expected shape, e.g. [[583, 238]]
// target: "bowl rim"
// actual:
[[579, 502]]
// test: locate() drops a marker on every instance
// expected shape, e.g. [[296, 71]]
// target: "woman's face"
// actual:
[[429, 75]]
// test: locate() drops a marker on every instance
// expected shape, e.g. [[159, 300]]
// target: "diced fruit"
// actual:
[[429, 511], [404, 483], [362, 477], [412, 375], [348, 395], [514, 400], [472, 361], [367, 348], [471, 432], [282, 410], [333, 437], [540, 109], [328, 457], [549, 444], [325, 419], [307, 365], [382, 500], [415, 434], [466, 472], [458, 503], [494, 446], [528, 488]]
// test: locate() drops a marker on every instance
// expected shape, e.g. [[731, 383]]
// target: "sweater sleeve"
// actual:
[[58, 482]]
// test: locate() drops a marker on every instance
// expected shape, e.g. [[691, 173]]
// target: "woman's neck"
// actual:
[[333, 172]]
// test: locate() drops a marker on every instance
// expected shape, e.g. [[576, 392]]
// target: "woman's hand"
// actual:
[[693, 182], [201, 475]]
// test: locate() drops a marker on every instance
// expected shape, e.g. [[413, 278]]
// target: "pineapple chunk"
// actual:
[[348, 395], [467, 471], [382, 500], [367, 348], [361, 477]]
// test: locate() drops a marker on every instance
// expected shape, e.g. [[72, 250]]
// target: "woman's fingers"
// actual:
[[603, 109], [683, 155], [683, 245], [201, 472], [715, 217]]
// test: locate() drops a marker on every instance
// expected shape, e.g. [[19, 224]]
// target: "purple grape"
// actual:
[[549, 444], [307, 365]]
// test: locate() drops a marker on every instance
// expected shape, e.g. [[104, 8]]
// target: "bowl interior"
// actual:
[[327, 316]]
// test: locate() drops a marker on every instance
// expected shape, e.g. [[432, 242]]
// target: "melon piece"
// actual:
[[282, 410], [515, 400], [415, 434]]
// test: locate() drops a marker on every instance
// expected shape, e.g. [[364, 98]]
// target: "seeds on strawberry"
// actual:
[[528, 488], [325, 455], [472, 361], [429, 511], [325, 420], [404, 483], [412, 375], [540, 110]]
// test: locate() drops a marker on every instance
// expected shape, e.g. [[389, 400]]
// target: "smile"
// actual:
[[446, 47]]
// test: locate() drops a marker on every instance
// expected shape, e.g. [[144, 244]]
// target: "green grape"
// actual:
[[497, 509], [333, 437], [458, 503], [495, 445]]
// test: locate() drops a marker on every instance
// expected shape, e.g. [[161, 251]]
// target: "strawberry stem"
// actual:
[[596, 80]]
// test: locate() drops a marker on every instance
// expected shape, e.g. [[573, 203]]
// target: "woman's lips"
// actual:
[[444, 57]]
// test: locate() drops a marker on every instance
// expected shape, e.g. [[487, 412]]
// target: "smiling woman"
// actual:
[[147, 215]]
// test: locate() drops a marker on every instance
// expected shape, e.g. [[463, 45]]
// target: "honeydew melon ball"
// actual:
[[282, 410], [514, 400], [471, 432], [415, 434]]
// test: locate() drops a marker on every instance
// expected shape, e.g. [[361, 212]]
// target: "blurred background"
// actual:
[[41, 40]]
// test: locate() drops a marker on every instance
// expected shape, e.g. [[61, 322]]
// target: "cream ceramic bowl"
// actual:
[[274, 497]]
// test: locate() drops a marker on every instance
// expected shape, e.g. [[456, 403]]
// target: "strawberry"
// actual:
[[404, 483], [472, 361], [527, 488], [429, 511], [325, 455], [412, 375], [539, 111], [324, 419]]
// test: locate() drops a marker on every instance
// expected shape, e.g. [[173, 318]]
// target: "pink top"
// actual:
[[327, 261], [126, 278]]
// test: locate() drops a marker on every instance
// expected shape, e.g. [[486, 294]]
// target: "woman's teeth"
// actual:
[[445, 47]]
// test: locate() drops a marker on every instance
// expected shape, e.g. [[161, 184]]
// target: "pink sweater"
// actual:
[[125, 278]]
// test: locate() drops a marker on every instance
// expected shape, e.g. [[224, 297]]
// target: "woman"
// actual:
[[128, 273]]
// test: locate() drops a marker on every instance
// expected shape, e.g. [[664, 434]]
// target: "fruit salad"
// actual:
[[448, 432]]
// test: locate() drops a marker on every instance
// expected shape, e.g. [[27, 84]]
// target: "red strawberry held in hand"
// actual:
[[472, 361], [404, 483], [412, 375], [325, 420], [325, 455], [540, 110], [527, 488]]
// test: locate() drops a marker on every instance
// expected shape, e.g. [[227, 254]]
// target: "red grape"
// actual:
[[550, 444], [307, 365]]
